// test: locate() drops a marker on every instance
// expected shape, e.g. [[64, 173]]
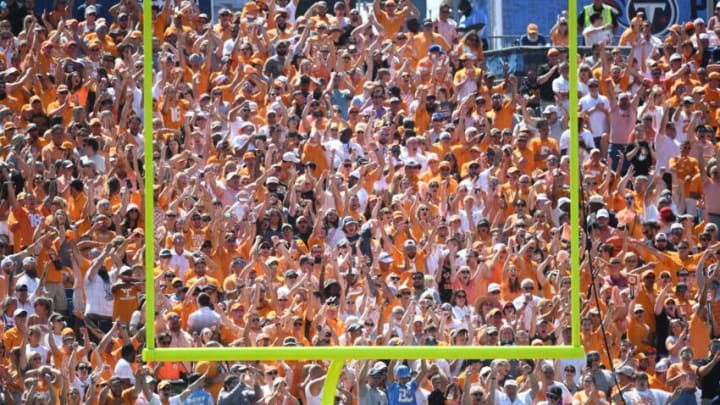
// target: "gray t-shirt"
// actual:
[[239, 395], [372, 396]]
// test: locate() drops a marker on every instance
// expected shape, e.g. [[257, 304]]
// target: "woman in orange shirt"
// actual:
[[79, 90], [511, 283], [559, 32], [589, 393]]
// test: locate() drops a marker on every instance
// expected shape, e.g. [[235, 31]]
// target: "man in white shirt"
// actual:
[[509, 394], [561, 85], [596, 107], [179, 260], [666, 145], [643, 394], [205, 316], [123, 368], [446, 26], [527, 301]]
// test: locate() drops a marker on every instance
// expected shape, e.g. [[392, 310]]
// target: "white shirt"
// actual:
[[124, 370], [81, 385], [592, 38], [680, 124], [561, 85], [39, 349], [522, 398], [203, 318], [579, 364], [598, 119], [665, 148], [179, 262], [31, 283], [647, 47], [418, 157], [585, 135], [518, 303], [342, 151], [656, 115], [98, 296], [651, 396]]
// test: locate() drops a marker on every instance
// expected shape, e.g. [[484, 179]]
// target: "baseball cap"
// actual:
[[402, 371], [385, 257]]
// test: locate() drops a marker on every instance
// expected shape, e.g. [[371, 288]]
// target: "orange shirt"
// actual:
[[502, 119], [174, 116], [126, 300], [391, 24], [315, 153], [541, 149], [212, 370], [637, 332], [66, 113], [20, 226], [699, 333], [13, 338]]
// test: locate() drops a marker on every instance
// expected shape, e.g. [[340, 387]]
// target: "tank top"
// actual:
[[312, 399]]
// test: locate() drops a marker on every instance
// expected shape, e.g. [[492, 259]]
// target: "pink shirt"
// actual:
[[622, 123], [447, 29], [712, 203]]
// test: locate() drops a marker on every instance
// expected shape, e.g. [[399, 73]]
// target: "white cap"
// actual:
[[602, 213], [290, 157], [492, 287], [550, 109]]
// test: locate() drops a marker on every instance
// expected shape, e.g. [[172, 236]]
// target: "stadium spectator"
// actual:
[[335, 178]]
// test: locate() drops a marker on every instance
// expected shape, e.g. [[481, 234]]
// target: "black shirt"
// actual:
[[16, 15], [662, 331], [546, 91], [710, 384], [436, 397], [642, 159]]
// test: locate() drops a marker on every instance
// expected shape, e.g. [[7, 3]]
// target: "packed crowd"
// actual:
[[345, 178]]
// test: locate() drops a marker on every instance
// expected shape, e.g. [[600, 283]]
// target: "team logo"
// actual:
[[662, 14]]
